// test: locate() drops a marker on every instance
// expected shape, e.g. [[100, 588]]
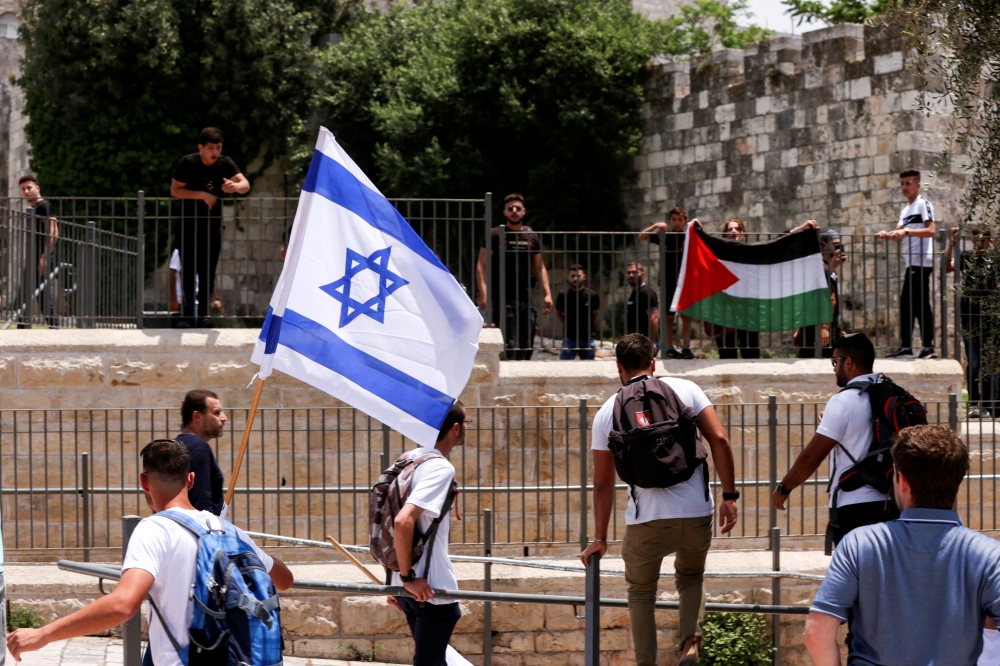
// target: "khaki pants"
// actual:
[[644, 548]]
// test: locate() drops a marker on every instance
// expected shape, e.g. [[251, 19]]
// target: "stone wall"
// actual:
[[813, 126]]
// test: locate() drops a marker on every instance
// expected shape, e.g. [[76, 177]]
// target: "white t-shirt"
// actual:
[[685, 500], [918, 251], [168, 551], [848, 419], [175, 265], [431, 483]]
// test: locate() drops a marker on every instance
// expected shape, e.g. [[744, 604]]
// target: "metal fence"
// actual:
[[67, 476]]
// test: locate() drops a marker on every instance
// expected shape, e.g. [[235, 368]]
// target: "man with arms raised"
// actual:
[[920, 587], [159, 563], [662, 521]]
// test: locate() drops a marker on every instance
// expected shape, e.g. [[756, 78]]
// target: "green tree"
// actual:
[[708, 24], [456, 97], [837, 11], [116, 91]]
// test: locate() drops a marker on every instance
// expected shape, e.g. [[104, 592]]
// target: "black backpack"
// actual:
[[654, 437]]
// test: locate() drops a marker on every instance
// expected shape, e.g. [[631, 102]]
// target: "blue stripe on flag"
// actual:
[[321, 345], [331, 180]]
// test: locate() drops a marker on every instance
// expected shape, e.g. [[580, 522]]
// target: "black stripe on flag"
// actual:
[[781, 249]]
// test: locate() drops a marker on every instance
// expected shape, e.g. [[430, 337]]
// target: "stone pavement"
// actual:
[[95, 651]]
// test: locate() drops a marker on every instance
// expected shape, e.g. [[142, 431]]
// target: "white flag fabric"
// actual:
[[363, 309]]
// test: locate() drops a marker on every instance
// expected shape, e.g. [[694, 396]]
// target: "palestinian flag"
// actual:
[[778, 285]]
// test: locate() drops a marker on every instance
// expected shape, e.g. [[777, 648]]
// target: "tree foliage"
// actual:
[[708, 24], [736, 639], [451, 98], [837, 11], [116, 91]]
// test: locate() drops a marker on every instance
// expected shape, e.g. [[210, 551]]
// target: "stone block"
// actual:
[[517, 641], [151, 370], [560, 641], [332, 648], [394, 650], [64, 370], [553, 659], [518, 617], [368, 616], [309, 620]]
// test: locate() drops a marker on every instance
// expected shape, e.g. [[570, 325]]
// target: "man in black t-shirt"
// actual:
[[642, 309], [46, 232], [203, 419], [522, 267], [199, 181], [577, 309], [674, 255]]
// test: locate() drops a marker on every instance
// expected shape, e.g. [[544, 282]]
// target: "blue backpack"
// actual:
[[236, 619]]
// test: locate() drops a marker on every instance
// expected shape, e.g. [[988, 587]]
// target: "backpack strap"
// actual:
[[432, 532], [166, 629], [188, 523]]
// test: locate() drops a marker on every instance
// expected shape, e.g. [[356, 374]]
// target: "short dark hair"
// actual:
[[577, 267], [455, 415], [167, 460], [638, 266], [513, 197], [679, 211], [829, 235], [210, 135], [28, 178], [910, 173], [195, 401], [635, 351], [934, 461], [859, 348]]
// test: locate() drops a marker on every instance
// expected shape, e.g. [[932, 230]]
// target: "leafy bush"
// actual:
[[736, 639], [23, 618]]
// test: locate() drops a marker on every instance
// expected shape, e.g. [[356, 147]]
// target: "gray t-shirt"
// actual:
[[921, 588]]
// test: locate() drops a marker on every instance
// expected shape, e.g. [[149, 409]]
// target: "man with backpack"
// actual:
[[648, 433], [174, 557], [857, 428], [409, 519]]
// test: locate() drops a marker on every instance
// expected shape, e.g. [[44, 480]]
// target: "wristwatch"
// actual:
[[733, 496], [410, 577], [782, 490]]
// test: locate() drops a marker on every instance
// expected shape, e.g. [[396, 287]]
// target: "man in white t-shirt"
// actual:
[[159, 563], [431, 620], [670, 520], [846, 425], [916, 225]]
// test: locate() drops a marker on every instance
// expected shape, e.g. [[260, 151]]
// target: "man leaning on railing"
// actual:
[[46, 232]]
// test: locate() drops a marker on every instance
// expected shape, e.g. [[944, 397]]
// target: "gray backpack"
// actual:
[[388, 496]]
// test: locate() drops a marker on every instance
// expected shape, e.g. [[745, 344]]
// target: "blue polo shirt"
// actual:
[[921, 588]]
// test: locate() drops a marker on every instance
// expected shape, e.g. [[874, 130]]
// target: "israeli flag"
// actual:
[[363, 309]]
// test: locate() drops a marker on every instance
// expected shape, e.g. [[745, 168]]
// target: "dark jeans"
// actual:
[[200, 243], [808, 348], [571, 347], [431, 626], [518, 329], [915, 303], [746, 342], [983, 390]]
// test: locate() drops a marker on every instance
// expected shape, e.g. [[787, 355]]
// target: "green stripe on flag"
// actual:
[[764, 314]]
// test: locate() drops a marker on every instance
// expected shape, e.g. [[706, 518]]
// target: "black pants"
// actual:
[[915, 303], [200, 243], [431, 626], [518, 329], [746, 342]]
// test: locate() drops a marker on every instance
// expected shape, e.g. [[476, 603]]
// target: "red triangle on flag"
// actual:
[[704, 274]]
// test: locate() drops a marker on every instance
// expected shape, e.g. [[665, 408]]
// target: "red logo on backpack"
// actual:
[[642, 418]]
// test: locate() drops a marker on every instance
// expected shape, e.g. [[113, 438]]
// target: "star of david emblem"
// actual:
[[374, 307]]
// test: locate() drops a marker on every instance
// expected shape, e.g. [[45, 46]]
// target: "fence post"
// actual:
[[90, 277], [664, 296], [131, 628], [592, 623], [501, 315], [943, 239], [953, 412], [772, 432], [487, 587], [957, 307], [386, 460], [140, 258], [776, 591], [85, 500], [584, 476], [488, 268]]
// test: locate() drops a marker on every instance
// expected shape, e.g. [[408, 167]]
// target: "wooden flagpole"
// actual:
[[243, 444], [346, 553]]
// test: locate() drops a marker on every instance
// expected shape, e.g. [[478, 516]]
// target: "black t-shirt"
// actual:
[[578, 308], [43, 212], [674, 243], [519, 247], [977, 283], [206, 493], [201, 177], [638, 307]]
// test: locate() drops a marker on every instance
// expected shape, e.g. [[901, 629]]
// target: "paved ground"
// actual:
[[108, 652]]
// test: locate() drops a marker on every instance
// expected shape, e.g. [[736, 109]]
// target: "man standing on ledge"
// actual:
[[203, 419], [200, 180], [662, 521]]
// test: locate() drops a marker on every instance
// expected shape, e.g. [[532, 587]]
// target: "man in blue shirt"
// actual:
[[203, 419], [921, 587]]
